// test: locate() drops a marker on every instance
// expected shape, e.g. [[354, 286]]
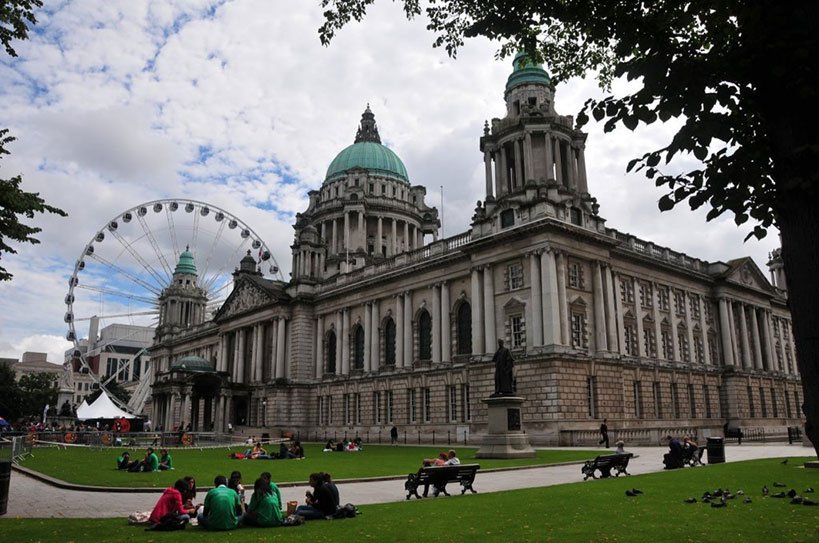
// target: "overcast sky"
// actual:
[[237, 104]]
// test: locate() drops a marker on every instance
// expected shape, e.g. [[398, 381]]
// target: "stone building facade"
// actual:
[[383, 323]]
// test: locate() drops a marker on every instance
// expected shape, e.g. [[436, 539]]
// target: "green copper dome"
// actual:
[[370, 156], [185, 264], [193, 363], [367, 153], [525, 72]]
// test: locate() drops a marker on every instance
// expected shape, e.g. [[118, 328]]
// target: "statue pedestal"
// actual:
[[505, 437]]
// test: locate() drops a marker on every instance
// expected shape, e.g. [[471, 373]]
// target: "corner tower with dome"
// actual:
[[383, 323], [182, 304]]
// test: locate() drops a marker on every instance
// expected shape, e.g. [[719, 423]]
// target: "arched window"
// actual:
[[331, 352], [464, 330], [389, 342], [424, 336], [358, 348]]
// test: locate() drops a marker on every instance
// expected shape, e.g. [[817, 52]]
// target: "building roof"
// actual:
[[186, 264], [367, 153], [193, 363], [526, 72]]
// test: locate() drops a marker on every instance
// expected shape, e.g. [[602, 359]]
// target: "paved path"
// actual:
[[31, 498]]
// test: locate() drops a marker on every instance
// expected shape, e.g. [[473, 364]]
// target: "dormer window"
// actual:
[[516, 105], [532, 101], [575, 217]]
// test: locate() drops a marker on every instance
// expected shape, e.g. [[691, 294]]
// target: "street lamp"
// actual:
[[264, 413]]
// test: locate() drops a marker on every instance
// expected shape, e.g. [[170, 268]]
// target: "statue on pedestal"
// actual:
[[504, 380]]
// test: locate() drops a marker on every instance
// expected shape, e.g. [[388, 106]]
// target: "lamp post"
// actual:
[[264, 413]]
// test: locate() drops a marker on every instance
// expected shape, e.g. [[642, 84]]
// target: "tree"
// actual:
[[9, 394], [36, 390], [15, 17], [742, 77]]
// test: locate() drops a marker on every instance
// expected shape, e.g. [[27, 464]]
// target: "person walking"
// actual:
[[604, 433], [393, 435]]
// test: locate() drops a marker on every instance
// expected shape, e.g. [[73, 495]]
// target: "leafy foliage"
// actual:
[[35, 391], [9, 394], [15, 18]]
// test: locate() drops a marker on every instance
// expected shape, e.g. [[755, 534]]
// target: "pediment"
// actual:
[[514, 304], [745, 272], [245, 298]]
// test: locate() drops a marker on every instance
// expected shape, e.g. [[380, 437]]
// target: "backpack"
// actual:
[[169, 523], [347, 511]]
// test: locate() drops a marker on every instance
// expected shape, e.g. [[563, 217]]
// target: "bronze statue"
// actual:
[[504, 382]]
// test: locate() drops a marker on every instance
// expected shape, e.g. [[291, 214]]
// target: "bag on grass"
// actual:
[[169, 523], [347, 511], [139, 517]]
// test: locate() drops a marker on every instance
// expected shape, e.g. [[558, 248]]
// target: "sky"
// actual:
[[238, 105]]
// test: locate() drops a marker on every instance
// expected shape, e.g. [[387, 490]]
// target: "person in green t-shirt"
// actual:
[[150, 462], [166, 461], [265, 507], [222, 507]]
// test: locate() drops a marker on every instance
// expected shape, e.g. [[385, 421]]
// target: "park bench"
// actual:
[[605, 465], [439, 476], [734, 433]]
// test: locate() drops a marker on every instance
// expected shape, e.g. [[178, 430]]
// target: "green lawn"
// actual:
[[587, 511], [96, 466]]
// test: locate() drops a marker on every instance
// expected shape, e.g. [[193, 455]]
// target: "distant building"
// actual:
[[32, 363], [383, 323]]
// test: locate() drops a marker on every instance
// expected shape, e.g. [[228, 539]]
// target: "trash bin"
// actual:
[[716, 450], [5, 479]]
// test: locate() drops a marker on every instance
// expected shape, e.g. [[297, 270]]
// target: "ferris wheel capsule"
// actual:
[[73, 281], [245, 233], [233, 224], [142, 211], [173, 206], [71, 336], [112, 226], [89, 250], [80, 265], [219, 216], [99, 237], [69, 299], [266, 256], [189, 207], [69, 317], [127, 217], [204, 211], [256, 244], [157, 207]]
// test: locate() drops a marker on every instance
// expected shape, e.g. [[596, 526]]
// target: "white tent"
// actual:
[[102, 408]]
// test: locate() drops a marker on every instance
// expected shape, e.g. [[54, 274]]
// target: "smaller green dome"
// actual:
[[186, 264], [526, 72], [193, 363]]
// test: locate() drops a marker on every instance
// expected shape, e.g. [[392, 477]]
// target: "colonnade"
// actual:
[[254, 353], [749, 340], [394, 234], [183, 313], [517, 160], [184, 407]]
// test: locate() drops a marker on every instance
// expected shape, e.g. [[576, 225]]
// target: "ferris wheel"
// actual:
[[123, 269]]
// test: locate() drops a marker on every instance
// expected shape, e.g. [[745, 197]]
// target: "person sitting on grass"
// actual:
[[320, 503], [257, 452], [124, 460], [189, 496], [149, 463], [265, 508], [330, 446], [222, 507], [166, 461], [170, 509], [296, 451], [235, 483]]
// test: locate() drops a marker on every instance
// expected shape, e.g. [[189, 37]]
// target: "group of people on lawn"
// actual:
[[225, 508], [257, 452], [150, 462], [346, 445]]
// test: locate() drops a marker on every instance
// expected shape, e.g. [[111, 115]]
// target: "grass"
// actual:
[[587, 511], [96, 466]]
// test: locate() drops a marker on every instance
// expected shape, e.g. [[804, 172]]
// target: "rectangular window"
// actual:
[[692, 402], [465, 407], [320, 410], [630, 334], [389, 406], [412, 405], [646, 295], [348, 413], [662, 298], [575, 272], [694, 306], [579, 339], [668, 344], [679, 303], [591, 393], [329, 402], [675, 400], [751, 406], [649, 339], [699, 350], [762, 403], [518, 332], [658, 399], [627, 291], [357, 408], [682, 343], [708, 413], [453, 403], [797, 403], [788, 410], [427, 405], [515, 276], [774, 408], [377, 407], [638, 400], [371, 188]]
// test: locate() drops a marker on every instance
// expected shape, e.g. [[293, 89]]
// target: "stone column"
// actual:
[[339, 342], [220, 415], [345, 342], [379, 242], [793, 369], [619, 312], [368, 326], [562, 302], [489, 308], [408, 329], [504, 185], [757, 344], [375, 359], [362, 231], [558, 161], [274, 344], [281, 344], [527, 157], [672, 294], [240, 373], [782, 346], [319, 346], [220, 361], [234, 369], [436, 323], [254, 357], [689, 326], [394, 237], [658, 329], [406, 237], [611, 312], [334, 246], [347, 231], [747, 361], [582, 181], [766, 336], [550, 161], [733, 335], [498, 177], [638, 318], [570, 166], [519, 163], [399, 331], [487, 162], [186, 416], [324, 231], [477, 313], [446, 343], [599, 312], [550, 298], [725, 333], [706, 354], [536, 306]]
